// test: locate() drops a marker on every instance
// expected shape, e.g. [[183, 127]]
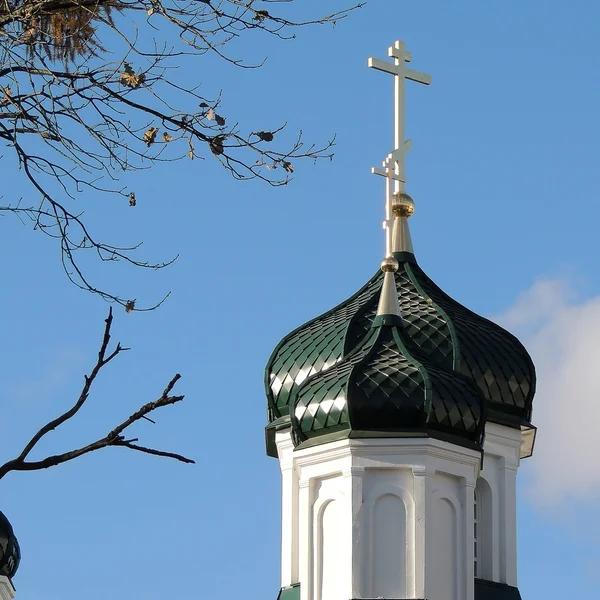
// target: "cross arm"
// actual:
[[399, 70], [417, 76], [387, 173], [380, 65]]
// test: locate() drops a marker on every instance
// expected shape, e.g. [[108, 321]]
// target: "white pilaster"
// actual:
[[289, 510], [500, 465], [424, 536], [304, 541], [467, 500], [356, 475], [510, 520], [7, 591]]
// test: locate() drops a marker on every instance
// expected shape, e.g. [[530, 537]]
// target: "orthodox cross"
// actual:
[[394, 168]]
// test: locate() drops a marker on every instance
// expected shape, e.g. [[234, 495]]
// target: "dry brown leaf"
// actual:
[[167, 137], [150, 11], [288, 167], [261, 15], [132, 201], [50, 136], [191, 152], [219, 119], [30, 33], [150, 136], [210, 115], [265, 136], [130, 306], [216, 145], [7, 95], [129, 78]]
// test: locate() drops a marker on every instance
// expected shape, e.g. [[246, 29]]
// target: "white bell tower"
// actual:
[[400, 518], [399, 441], [378, 518]]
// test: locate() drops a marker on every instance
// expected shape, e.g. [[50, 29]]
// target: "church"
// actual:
[[399, 419]]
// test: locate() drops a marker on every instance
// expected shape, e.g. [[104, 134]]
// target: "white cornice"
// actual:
[[503, 442], [380, 447], [502, 434]]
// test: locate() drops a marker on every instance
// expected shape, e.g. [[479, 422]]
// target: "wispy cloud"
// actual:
[[562, 333]]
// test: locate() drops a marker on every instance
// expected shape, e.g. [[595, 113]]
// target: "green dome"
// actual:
[[439, 332], [10, 553], [383, 388]]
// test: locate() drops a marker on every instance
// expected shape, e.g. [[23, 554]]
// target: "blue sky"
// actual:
[[504, 174]]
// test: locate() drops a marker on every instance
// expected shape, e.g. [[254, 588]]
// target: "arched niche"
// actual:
[[328, 565], [389, 542], [483, 530], [445, 584]]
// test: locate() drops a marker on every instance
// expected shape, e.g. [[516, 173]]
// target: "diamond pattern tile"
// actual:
[[313, 368], [322, 401], [380, 387], [316, 346], [492, 357]]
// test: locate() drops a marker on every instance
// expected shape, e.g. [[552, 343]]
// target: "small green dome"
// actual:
[[10, 553], [439, 333]]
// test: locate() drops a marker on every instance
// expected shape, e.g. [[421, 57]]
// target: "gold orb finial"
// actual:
[[389, 265], [403, 205]]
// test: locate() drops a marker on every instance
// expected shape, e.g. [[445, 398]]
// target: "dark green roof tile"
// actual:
[[381, 387], [310, 367], [10, 553]]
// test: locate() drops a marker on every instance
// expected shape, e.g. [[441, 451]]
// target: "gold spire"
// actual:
[[388, 300], [399, 206], [403, 208]]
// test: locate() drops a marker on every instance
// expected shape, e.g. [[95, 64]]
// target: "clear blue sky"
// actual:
[[504, 173]]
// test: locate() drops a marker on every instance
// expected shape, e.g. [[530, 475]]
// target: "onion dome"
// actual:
[[447, 340], [387, 387], [10, 553]]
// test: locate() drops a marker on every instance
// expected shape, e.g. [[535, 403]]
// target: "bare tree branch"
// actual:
[[89, 380], [76, 123], [114, 437]]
